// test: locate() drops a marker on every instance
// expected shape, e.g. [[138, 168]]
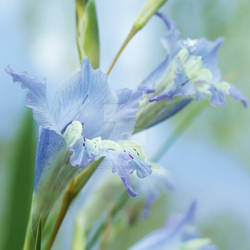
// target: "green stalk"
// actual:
[[121, 201], [148, 10]]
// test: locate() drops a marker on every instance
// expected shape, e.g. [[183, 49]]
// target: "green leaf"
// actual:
[[72, 190], [20, 185], [39, 235], [82, 178], [87, 34]]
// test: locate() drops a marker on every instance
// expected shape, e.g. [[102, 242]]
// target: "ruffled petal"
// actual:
[[36, 98], [189, 72], [124, 158], [86, 97]]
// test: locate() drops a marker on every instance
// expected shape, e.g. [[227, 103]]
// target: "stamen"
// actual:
[[130, 156]]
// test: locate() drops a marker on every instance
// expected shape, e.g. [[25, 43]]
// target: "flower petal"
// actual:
[[189, 72], [166, 237], [85, 97], [124, 158], [36, 98], [50, 144], [88, 99], [120, 123], [176, 234]]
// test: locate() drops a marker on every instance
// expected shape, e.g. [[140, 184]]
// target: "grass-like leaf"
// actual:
[[20, 185]]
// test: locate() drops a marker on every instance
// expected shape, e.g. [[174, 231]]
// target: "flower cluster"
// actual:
[[87, 122]]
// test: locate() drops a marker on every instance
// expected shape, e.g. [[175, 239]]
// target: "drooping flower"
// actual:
[[76, 123], [189, 72], [176, 234]]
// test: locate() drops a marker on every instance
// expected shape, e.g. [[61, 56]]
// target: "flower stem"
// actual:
[[121, 201], [125, 43], [67, 199]]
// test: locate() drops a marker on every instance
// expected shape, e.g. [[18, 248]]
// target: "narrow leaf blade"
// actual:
[[21, 185]]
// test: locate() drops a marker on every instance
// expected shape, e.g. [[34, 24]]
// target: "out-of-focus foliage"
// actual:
[[233, 234], [20, 186]]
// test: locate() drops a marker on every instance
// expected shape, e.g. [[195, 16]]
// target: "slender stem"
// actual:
[[67, 199], [125, 43], [178, 131], [122, 200]]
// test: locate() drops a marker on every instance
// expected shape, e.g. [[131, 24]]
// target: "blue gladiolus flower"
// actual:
[[189, 72], [75, 125], [176, 234]]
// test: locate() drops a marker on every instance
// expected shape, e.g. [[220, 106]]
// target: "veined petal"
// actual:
[[86, 98], [120, 122]]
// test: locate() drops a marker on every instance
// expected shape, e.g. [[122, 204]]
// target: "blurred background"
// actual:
[[209, 163]]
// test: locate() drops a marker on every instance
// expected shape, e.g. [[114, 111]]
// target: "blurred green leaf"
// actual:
[[72, 190], [39, 235], [87, 34], [79, 241], [20, 185]]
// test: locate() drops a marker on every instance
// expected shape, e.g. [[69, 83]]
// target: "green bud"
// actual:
[[148, 10], [87, 34]]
